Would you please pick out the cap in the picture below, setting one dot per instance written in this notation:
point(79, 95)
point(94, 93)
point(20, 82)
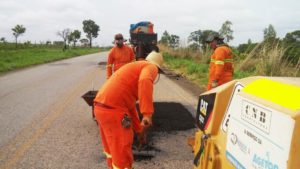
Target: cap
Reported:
point(119, 36)
point(213, 36)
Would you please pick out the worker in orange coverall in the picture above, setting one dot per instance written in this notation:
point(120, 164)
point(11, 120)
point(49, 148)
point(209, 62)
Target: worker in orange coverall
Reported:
point(119, 55)
point(115, 108)
point(221, 62)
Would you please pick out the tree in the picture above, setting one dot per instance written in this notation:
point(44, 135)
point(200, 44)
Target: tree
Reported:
point(249, 42)
point(84, 42)
point(291, 42)
point(64, 34)
point(165, 38)
point(194, 46)
point(169, 40)
point(292, 37)
point(3, 40)
point(174, 41)
point(226, 31)
point(74, 36)
point(196, 38)
point(269, 33)
point(199, 38)
point(91, 29)
point(17, 31)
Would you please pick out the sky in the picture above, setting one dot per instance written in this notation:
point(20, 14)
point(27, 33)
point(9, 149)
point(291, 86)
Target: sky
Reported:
point(44, 18)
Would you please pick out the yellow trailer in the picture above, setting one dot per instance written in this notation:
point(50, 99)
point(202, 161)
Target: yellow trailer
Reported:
point(249, 123)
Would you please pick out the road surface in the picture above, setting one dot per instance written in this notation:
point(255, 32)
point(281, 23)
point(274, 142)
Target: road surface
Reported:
point(44, 122)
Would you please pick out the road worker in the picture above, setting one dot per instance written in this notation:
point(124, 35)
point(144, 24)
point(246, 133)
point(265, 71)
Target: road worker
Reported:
point(115, 108)
point(221, 62)
point(118, 56)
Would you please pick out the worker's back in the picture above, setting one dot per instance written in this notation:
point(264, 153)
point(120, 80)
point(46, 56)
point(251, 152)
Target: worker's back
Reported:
point(221, 65)
point(121, 89)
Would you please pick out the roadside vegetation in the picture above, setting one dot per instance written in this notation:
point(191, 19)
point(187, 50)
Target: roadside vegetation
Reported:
point(25, 55)
point(271, 57)
point(19, 55)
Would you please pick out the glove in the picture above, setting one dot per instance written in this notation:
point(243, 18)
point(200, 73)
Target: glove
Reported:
point(146, 121)
point(214, 83)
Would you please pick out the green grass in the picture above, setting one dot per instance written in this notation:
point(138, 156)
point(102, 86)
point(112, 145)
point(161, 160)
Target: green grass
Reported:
point(194, 70)
point(188, 67)
point(263, 60)
point(242, 74)
point(12, 58)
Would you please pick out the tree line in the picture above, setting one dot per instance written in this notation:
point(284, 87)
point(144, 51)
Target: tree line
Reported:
point(196, 40)
point(68, 36)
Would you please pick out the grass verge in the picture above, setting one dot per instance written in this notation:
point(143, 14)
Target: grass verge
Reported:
point(189, 68)
point(11, 59)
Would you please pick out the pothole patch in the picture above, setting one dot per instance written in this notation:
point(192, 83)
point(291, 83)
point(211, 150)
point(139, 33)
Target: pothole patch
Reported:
point(168, 117)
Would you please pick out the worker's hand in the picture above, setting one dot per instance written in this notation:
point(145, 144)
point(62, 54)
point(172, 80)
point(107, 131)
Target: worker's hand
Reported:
point(146, 121)
point(214, 83)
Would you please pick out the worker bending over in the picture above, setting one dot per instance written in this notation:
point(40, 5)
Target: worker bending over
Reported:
point(115, 108)
point(118, 56)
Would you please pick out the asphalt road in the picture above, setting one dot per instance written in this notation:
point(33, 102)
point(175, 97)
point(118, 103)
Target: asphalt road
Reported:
point(44, 122)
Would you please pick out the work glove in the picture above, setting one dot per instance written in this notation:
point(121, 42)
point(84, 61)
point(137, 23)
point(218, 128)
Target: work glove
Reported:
point(214, 83)
point(146, 121)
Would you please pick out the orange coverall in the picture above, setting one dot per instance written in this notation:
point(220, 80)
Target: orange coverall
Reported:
point(118, 57)
point(221, 66)
point(118, 97)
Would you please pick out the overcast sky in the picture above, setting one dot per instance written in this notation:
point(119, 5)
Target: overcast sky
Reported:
point(44, 18)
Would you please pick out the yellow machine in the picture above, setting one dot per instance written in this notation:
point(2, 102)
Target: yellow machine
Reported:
point(249, 123)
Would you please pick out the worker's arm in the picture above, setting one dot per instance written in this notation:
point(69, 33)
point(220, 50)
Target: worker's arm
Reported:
point(219, 64)
point(110, 61)
point(145, 93)
point(136, 123)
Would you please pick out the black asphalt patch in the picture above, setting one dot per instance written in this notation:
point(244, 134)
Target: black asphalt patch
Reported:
point(171, 116)
point(167, 117)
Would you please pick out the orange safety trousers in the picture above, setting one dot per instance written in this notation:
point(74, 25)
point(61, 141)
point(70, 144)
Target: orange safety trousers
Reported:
point(116, 140)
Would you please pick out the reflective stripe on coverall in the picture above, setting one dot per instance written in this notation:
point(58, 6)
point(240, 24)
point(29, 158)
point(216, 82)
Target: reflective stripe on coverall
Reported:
point(118, 57)
point(221, 66)
point(132, 82)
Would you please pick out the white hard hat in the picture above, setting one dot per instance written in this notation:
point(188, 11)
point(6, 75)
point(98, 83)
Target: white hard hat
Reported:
point(155, 58)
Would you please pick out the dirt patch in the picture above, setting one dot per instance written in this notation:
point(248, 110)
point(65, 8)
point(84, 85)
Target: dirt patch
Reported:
point(102, 63)
point(183, 82)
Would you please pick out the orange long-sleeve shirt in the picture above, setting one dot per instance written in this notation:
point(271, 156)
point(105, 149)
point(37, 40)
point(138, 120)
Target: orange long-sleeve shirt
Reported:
point(221, 66)
point(132, 82)
point(118, 57)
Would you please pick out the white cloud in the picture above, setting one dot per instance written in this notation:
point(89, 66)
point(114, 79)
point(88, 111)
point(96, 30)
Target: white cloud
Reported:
point(43, 18)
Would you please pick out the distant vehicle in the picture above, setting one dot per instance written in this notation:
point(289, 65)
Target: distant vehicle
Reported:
point(143, 39)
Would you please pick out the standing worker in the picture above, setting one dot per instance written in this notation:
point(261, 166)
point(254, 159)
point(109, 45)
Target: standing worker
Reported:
point(221, 62)
point(118, 56)
point(115, 108)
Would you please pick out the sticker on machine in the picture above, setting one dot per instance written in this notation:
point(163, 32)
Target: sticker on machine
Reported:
point(258, 136)
point(237, 88)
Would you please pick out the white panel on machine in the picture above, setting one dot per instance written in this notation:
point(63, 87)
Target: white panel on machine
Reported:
point(258, 137)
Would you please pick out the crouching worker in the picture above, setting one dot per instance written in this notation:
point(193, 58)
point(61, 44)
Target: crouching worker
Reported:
point(115, 108)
